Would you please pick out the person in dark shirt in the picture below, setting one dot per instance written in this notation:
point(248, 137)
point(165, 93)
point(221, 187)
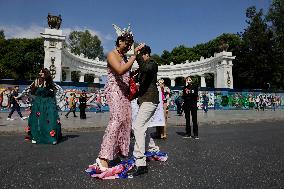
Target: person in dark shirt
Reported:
point(148, 100)
point(190, 97)
point(15, 104)
point(83, 104)
point(205, 101)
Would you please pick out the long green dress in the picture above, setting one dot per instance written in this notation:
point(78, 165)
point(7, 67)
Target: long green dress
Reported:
point(44, 121)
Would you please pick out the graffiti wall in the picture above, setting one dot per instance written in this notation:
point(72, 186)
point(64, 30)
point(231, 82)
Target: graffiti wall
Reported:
point(96, 99)
point(219, 99)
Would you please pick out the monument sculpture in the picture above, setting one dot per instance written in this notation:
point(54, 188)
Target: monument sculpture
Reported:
point(54, 22)
point(223, 46)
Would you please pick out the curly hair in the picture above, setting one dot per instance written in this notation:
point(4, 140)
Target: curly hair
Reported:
point(145, 50)
point(127, 37)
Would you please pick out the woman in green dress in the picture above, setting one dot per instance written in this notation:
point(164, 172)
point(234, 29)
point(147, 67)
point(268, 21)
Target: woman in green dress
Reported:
point(44, 122)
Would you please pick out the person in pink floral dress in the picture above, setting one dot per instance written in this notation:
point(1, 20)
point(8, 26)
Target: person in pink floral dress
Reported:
point(116, 139)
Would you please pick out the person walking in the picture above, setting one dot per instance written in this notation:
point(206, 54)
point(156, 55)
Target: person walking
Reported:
point(14, 101)
point(72, 105)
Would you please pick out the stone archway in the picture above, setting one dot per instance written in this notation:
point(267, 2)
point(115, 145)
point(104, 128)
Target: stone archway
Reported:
point(58, 58)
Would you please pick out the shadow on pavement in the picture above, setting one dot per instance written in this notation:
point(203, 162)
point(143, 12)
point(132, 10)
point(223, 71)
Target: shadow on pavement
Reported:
point(67, 137)
point(181, 133)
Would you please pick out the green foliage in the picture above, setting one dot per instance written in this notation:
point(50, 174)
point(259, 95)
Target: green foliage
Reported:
point(275, 18)
point(157, 59)
point(21, 59)
point(89, 78)
point(85, 43)
point(2, 35)
point(75, 76)
point(254, 66)
point(258, 49)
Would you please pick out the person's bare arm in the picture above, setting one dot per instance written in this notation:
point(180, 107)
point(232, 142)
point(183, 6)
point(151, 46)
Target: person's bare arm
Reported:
point(117, 66)
point(122, 68)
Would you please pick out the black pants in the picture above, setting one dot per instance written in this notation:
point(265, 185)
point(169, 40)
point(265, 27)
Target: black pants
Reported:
point(17, 108)
point(193, 111)
point(71, 110)
point(83, 113)
point(179, 109)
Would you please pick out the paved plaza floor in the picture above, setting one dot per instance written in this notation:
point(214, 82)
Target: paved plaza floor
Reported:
point(247, 153)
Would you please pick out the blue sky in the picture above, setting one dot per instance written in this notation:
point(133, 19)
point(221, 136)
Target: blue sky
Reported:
point(163, 24)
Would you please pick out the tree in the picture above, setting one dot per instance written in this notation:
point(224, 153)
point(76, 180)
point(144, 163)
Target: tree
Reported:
point(89, 78)
point(75, 76)
point(157, 59)
point(255, 61)
point(85, 43)
point(167, 57)
point(275, 16)
point(21, 59)
point(2, 35)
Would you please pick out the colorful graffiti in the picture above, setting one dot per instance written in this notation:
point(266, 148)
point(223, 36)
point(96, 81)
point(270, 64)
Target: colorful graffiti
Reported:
point(219, 99)
point(230, 99)
point(96, 99)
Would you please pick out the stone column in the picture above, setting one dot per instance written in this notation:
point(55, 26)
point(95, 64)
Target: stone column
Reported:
point(68, 75)
point(215, 80)
point(221, 77)
point(203, 83)
point(96, 79)
point(173, 82)
point(81, 79)
point(53, 40)
point(224, 75)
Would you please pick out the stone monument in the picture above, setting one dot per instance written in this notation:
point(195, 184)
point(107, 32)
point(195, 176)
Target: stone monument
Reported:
point(53, 39)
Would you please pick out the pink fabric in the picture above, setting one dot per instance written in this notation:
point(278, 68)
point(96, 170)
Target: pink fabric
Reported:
point(122, 169)
point(163, 93)
point(110, 173)
point(117, 135)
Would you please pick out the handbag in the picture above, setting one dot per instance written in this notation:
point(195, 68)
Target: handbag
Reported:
point(133, 88)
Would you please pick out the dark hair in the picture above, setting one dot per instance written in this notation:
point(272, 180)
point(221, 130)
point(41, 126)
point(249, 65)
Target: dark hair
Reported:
point(47, 77)
point(17, 86)
point(145, 50)
point(125, 37)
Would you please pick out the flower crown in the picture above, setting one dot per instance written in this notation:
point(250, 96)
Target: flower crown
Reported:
point(125, 32)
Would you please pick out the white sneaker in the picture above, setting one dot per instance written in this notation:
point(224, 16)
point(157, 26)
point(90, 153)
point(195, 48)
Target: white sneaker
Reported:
point(10, 119)
point(23, 118)
point(33, 142)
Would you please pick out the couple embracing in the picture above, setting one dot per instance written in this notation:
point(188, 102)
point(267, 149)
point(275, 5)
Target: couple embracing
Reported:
point(116, 140)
